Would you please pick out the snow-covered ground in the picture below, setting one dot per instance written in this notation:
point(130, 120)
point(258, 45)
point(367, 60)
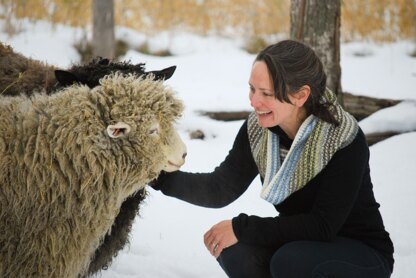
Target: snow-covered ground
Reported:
point(212, 74)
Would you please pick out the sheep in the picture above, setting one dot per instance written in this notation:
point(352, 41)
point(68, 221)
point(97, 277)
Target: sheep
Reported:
point(69, 160)
point(90, 74)
point(21, 75)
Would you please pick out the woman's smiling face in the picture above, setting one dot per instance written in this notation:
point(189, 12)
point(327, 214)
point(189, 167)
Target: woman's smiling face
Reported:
point(269, 110)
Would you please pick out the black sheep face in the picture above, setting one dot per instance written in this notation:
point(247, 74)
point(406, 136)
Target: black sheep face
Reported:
point(90, 74)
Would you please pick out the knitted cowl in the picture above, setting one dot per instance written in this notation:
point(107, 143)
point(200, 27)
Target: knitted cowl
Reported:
point(313, 147)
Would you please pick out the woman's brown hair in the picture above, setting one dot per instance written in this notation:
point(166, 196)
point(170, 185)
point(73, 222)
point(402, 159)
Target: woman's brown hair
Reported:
point(291, 65)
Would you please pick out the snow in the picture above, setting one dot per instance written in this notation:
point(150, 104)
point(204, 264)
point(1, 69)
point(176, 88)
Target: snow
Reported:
point(387, 71)
point(399, 118)
point(212, 74)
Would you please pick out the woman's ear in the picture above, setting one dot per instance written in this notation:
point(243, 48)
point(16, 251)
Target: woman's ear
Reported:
point(301, 96)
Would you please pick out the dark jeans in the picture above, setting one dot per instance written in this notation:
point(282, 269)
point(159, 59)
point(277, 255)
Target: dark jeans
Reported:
point(342, 257)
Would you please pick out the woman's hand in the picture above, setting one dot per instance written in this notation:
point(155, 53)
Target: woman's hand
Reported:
point(219, 237)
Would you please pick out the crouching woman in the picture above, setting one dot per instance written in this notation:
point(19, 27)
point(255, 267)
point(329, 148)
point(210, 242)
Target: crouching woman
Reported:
point(313, 161)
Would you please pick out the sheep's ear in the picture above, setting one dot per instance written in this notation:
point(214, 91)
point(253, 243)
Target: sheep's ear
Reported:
point(164, 74)
point(103, 61)
point(66, 78)
point(119, 130)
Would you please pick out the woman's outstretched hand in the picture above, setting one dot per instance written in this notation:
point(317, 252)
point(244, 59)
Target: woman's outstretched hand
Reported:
point(219, 237)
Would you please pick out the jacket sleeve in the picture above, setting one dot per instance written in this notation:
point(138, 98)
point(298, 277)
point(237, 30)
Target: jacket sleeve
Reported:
point(219, 188)
point(340, 183)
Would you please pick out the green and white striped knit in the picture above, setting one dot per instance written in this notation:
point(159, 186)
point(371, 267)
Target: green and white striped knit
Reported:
point(313, 147)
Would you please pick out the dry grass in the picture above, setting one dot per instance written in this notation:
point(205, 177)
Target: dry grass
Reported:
point(379, 20)
point(386, 20)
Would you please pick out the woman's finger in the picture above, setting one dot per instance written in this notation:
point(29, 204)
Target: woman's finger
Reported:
point(208, 239)
point(219, 237)
point(217, 249)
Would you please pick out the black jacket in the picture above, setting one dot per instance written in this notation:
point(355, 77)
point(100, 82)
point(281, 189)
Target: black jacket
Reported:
point(339, 201)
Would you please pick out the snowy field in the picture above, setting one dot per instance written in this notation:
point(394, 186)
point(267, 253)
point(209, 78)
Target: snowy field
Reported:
point(212, 74)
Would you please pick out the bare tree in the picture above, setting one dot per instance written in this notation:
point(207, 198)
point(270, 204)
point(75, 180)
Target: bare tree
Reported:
point(317, 23)
point(103, 42)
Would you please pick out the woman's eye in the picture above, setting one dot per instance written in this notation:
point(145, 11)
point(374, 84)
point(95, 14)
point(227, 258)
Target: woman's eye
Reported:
point(267, 94)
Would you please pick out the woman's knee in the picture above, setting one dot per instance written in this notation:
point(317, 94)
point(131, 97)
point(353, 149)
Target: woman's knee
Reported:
point(341, 258)
point(286, 261)
point(242, 260)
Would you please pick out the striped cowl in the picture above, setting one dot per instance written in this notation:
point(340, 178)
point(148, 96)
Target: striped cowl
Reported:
point(313, 147)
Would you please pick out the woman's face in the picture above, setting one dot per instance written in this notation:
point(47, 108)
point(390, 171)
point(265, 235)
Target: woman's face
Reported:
point(269, 110)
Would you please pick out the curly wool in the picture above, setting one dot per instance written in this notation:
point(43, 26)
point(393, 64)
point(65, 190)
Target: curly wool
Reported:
point(119, 236)
point(64, 179)
point(21, 75)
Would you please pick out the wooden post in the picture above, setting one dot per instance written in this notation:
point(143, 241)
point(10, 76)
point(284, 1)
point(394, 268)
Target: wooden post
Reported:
point(103, 42)
point(317, 23)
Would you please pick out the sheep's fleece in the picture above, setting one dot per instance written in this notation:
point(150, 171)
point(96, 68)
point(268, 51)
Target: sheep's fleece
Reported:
point(63, 178)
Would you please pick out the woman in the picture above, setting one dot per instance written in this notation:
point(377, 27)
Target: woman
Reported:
point(313, 161)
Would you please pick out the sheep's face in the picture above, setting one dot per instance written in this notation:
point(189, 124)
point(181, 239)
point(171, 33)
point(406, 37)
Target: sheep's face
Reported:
point(175, 152)
point(142, 119)
point(173, 148)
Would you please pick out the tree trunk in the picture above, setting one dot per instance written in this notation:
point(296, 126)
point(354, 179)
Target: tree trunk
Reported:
point(103, 42)
point(317, 23)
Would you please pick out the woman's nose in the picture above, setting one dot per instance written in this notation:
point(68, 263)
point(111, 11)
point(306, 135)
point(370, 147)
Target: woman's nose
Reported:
point(254, 101)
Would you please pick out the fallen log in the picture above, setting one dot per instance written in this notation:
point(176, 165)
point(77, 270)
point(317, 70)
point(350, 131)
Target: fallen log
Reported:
point(226, 116)
point(362, 106)
point(373, 138)
point(359, 106)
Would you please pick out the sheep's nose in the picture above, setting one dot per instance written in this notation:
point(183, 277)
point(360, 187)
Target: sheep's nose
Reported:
point(184, 155)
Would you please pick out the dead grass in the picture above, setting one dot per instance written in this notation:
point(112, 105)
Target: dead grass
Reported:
point(372, 19)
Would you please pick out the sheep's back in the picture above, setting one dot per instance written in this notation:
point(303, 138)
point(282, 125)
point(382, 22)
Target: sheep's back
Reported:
point(21, 75)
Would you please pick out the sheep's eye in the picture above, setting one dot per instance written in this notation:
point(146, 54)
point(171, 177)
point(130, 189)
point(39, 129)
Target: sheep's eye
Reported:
point(154, 130)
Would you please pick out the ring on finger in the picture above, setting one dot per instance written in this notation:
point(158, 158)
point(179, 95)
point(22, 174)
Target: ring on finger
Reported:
point(215, 247)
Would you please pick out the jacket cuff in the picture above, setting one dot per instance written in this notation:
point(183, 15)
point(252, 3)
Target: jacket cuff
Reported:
point(157, 183)
point(239, 222)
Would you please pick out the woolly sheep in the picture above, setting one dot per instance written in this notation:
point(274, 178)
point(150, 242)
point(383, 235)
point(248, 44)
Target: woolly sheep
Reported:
point(90, 74)
point(19, 74)
point(22, 75)
point(68, 161)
